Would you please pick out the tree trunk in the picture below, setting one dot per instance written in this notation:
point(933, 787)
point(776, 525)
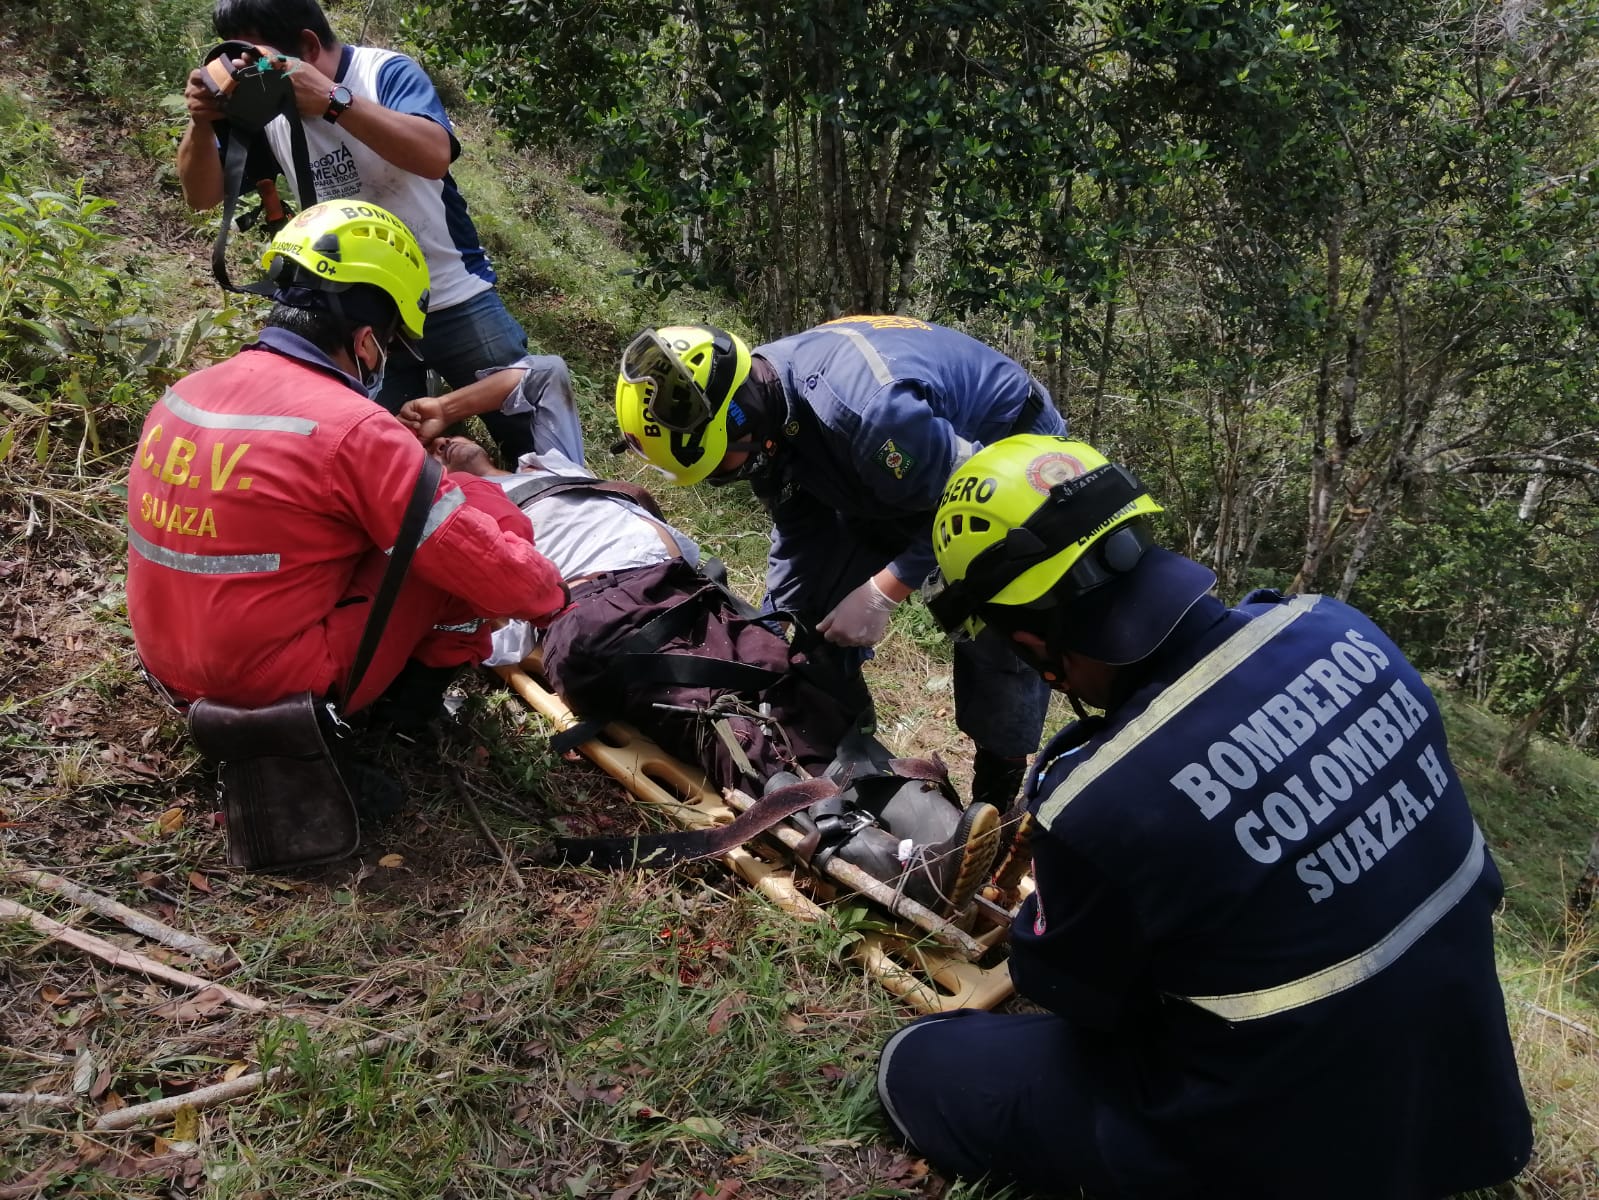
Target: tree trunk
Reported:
point(1328, 461)
point(1582, 896)
point(1562, 678)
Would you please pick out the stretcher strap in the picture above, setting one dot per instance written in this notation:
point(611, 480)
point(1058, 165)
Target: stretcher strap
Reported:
point(656, 850)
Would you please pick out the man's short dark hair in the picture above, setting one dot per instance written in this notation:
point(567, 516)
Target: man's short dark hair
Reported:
point(330, 331)
point(276, 22)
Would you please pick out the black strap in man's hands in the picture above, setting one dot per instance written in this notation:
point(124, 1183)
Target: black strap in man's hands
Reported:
point(405, 544)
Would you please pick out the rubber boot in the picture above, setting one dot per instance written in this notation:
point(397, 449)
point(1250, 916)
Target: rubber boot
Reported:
point(414, 700)
point(997, 780)
point(942, 875)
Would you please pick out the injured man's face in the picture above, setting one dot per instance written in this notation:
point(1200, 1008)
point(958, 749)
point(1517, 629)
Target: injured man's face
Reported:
point(464, 455)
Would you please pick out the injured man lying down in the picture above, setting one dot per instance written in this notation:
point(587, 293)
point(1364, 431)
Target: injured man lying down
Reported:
point(653, 637)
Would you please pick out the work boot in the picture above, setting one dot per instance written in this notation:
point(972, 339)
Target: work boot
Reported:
point(945, 876)
point(415, 699)
point(997, 780)
point(376, 794)
point(941, 873)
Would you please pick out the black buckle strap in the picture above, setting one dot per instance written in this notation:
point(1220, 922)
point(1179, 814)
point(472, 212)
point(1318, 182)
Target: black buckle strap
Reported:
point(405, 544)
point(240, 139)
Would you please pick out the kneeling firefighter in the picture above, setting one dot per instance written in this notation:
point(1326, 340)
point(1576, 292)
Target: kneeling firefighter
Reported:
point(264, 501)
point(1262, 927)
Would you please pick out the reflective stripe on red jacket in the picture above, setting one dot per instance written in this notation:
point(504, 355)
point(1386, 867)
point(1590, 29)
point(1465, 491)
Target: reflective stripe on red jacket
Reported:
point(257, 487)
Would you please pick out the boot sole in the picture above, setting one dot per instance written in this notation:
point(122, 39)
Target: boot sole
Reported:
point(978, 835)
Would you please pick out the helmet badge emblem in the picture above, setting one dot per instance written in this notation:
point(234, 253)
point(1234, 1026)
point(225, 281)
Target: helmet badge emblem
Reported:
point(1045, 471)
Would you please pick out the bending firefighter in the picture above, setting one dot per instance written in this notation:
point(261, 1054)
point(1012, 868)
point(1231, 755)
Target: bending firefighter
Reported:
point(847, 432)
point(267, 490)
point(1262, 927)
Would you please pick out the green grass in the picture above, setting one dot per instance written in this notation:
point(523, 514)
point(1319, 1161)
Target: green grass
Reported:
point(1538, 827)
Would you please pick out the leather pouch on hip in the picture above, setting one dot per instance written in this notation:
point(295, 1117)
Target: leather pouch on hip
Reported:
point(285, 803)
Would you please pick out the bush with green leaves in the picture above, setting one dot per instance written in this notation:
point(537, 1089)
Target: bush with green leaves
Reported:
point(80, 347)
point(121, 51)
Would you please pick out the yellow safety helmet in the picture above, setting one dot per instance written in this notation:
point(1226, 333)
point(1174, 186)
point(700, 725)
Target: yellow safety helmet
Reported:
point(332, 246)
point(1024, 517)
point(674, 394)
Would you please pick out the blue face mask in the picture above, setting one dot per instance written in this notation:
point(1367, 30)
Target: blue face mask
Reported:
point(373, 383)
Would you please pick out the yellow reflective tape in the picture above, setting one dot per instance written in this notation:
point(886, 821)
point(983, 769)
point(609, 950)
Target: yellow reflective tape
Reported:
point(1179, 695)
point(1267, 1002)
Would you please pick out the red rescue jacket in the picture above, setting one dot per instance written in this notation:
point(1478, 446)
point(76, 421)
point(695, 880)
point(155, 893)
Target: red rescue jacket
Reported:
point(259, 484)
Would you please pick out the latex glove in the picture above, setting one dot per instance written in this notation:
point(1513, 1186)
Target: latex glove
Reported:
point(861, 618)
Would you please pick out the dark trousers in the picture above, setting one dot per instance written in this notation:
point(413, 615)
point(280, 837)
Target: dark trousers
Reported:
point(982, 1094)
point(1000, 702)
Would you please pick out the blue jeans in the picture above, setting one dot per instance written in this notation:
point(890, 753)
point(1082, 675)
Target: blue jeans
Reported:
point(460, 343)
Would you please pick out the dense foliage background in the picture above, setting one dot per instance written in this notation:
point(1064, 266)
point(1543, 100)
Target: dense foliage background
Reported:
point(1324, 273)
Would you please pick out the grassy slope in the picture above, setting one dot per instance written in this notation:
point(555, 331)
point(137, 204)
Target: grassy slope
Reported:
point(558, 1039)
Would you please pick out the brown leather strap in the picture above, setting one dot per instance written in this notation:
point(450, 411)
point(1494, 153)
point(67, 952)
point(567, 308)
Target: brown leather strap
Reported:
point(663, 849)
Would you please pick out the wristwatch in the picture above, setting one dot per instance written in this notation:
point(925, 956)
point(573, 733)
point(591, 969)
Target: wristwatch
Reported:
point(339, 99)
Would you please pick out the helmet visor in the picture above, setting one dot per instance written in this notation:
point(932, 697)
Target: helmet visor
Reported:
point(673, 399)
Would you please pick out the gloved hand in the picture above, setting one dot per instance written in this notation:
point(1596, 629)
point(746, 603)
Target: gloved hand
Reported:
point(861, 618)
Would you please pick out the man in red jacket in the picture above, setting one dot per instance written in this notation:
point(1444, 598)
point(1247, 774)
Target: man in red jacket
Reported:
point(267, 490)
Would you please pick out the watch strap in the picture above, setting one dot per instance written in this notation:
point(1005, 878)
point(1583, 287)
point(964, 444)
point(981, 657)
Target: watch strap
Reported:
point(336, 107)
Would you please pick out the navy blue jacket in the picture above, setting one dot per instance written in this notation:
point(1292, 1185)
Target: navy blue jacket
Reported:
point(1262, 895)
point(881, 410)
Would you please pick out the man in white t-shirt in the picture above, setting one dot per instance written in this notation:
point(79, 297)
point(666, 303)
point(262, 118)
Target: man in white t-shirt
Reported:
point(376, 131)
point(584, 531)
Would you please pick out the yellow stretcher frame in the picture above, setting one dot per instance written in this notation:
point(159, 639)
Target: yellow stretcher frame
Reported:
point(905, 961)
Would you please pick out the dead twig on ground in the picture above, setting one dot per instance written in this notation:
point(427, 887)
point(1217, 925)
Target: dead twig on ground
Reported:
point(483, 826)
point(36, 1099)
point(218, 1093)
point(142, 923)
point(1556, 1017)
point(128, 960)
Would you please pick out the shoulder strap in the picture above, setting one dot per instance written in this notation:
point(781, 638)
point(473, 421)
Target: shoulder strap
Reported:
point(656, 850)
point(405, 544)
point(544, 483)
point(233, 162)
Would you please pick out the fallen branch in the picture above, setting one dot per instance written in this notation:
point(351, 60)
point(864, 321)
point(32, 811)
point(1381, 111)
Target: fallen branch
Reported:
point(218, 1093)
point(1554, 1016)
point(874, 889)
point(36, 1099)
point(128, 960)
point(483, 826)
point(189, 943)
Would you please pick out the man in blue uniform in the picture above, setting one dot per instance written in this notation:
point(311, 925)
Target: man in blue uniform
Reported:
point(1262, 924)
point(847, 433)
